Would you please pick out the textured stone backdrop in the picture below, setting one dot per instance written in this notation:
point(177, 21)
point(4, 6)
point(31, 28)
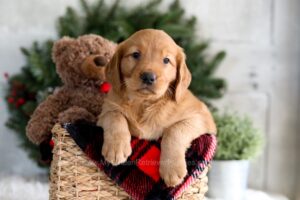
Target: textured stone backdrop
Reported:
point(262, 69)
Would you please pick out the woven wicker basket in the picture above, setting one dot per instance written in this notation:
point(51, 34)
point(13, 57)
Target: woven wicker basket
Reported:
point(74, 176)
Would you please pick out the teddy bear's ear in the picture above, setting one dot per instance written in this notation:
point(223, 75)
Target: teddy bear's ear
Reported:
point(60, 46)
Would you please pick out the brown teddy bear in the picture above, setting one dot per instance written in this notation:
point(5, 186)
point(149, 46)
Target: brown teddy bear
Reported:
point(80, 63)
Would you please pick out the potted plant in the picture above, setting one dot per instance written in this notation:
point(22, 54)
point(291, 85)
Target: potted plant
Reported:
point(238, 142)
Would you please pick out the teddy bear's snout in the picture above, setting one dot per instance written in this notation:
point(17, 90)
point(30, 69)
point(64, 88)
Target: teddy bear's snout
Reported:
point(100, 61)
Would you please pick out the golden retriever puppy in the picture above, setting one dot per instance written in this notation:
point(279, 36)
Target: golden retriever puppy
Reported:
point(150, 99)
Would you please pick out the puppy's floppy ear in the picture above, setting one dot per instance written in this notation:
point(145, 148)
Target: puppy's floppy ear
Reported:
point(183, 77)
point(113, 71)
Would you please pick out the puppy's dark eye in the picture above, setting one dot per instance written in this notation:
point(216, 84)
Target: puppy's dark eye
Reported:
point(136, 55)
point(166, 60)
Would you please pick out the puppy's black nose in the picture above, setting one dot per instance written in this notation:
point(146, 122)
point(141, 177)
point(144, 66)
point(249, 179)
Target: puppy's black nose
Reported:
point(148, 78)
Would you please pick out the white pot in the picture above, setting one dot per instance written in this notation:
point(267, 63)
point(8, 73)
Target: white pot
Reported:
point(227, 180)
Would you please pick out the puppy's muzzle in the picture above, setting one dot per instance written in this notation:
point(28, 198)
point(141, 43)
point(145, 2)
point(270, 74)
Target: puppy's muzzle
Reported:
point(148, 78)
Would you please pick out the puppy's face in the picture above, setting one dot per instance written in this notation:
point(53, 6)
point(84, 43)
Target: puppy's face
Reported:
point(149, 65)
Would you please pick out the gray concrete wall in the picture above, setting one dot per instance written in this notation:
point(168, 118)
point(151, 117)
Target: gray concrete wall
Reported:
point(262, 69)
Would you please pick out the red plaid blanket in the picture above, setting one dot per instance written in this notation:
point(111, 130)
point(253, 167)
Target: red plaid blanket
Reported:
point(139, 176)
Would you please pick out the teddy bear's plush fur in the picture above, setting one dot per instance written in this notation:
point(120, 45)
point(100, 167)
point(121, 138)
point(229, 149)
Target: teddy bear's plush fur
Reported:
point(80, 63)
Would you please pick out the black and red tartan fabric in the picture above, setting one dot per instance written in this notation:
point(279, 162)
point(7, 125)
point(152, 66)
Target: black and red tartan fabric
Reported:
point(139, 176)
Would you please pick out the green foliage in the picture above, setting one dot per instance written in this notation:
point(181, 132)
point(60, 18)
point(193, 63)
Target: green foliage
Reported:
point(38, 78)
point(237, 138)
point(117, 23)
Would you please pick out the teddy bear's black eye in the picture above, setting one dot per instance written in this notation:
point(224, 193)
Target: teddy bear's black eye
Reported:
point(166, 60)
point(136, 55)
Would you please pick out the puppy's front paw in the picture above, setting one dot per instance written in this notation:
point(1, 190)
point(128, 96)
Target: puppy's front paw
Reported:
point(116, 152)
point(172, 171)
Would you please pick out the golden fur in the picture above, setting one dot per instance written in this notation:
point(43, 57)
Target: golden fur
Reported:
point(165, 109)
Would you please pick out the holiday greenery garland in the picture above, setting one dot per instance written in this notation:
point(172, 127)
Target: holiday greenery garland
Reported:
point(38, 78)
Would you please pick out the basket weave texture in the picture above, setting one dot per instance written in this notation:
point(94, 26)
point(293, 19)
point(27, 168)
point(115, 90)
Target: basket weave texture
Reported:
point(74, 177)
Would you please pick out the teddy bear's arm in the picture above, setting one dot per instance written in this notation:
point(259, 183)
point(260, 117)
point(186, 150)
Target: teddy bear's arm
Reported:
point(44, 117)
point(75, 113)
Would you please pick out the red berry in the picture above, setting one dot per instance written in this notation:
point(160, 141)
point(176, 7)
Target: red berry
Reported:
point(10, 100)
point(6, 75)
point(51, 143)
point(105, 87)
point(20, 101)
point(13, 93)
point(31, 96)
